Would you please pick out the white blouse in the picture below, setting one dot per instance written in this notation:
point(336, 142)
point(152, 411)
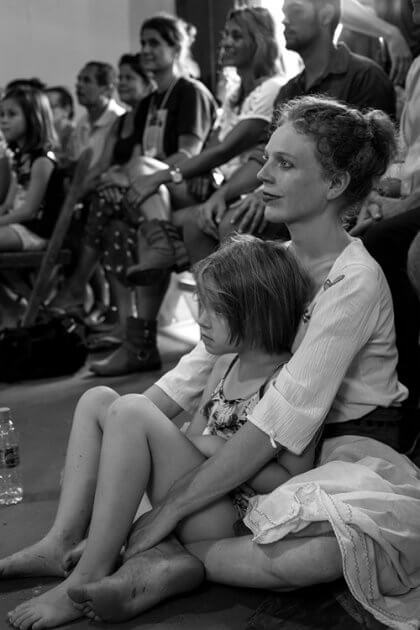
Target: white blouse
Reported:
point(344, 361)
point(257, 105)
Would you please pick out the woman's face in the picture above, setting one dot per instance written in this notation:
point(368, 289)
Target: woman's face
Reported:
point(131, 87)
point(294, 188)
point(156, 53)
point(237, 48)
point(12, 120)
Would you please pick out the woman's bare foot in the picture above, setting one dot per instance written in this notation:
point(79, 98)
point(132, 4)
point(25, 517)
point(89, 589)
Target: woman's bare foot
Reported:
point(43, 558)
point(49, 610)
point(140, 583)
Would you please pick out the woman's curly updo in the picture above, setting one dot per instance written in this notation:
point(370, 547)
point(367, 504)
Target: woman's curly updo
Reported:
point(346, 140)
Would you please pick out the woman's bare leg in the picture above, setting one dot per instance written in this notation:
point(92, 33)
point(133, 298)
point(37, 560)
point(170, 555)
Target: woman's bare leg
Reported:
point(74, 509)
point(285, 565)
point(139, 444)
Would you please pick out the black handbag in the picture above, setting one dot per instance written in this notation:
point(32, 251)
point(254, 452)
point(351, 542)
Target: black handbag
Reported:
point(54, 346)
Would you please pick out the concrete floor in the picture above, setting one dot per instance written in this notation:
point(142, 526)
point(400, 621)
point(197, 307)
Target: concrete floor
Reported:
point(43, 412)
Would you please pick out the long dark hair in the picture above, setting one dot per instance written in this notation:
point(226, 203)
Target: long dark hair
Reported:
point(36, 109)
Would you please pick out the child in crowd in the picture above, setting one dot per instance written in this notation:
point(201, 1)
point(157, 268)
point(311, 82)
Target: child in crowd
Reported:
point(252, 296)
point(241, 290)
point(29, 212)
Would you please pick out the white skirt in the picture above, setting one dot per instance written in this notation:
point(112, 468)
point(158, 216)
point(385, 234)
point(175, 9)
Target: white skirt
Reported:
point(369, 496)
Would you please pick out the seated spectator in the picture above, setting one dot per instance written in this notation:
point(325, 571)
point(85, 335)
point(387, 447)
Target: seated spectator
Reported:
point(94, 90)
point(62, 105)
point(28, 215)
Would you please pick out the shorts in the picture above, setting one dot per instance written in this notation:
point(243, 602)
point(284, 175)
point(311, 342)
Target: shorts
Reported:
point(30, 242)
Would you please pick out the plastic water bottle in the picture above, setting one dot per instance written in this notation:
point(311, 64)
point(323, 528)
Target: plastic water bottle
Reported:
point(10, 477)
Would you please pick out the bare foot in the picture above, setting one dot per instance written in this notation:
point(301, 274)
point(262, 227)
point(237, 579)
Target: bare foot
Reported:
point(140, 583)
point(49, 610)
point(43, 558)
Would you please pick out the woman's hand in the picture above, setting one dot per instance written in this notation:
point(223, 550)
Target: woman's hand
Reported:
point(249, 214)
point(144, 186)
point(211, 213)
point(150, 529)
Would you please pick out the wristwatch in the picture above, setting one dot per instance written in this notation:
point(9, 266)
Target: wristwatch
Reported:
point(176, 175)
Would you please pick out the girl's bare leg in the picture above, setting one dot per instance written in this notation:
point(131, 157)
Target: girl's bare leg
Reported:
point(74, 509)
point(285, 565)
point(139, 444)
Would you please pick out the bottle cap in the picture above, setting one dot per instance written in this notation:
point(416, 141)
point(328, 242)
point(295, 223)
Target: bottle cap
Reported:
point(4, 413)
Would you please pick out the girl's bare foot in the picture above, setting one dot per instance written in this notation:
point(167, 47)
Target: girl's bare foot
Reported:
point(43, 558)
point(140, 583)
point(49, 610)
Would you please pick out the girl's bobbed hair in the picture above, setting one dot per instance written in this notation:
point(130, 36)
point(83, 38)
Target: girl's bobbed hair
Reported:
point(346, 140)
point(40, 133)
point(258, 287)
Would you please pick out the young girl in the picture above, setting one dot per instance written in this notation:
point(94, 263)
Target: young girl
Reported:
point(252, 296)
point(28, 215)
point(239, 304)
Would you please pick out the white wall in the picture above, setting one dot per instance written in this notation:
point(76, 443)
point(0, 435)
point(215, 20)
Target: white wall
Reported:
point(52, 39)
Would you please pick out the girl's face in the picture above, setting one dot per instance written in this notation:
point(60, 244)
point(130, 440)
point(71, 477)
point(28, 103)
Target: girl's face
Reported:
point(12, 120)
point(215, 332)
point(236, 46)
point(294, 188)
point(156, 53)
point(131, 87)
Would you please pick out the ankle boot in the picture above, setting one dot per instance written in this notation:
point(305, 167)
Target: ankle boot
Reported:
point(138, 352)
point(160, 250)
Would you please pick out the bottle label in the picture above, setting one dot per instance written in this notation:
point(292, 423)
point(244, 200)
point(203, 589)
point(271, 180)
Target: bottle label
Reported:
point(11, 456)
